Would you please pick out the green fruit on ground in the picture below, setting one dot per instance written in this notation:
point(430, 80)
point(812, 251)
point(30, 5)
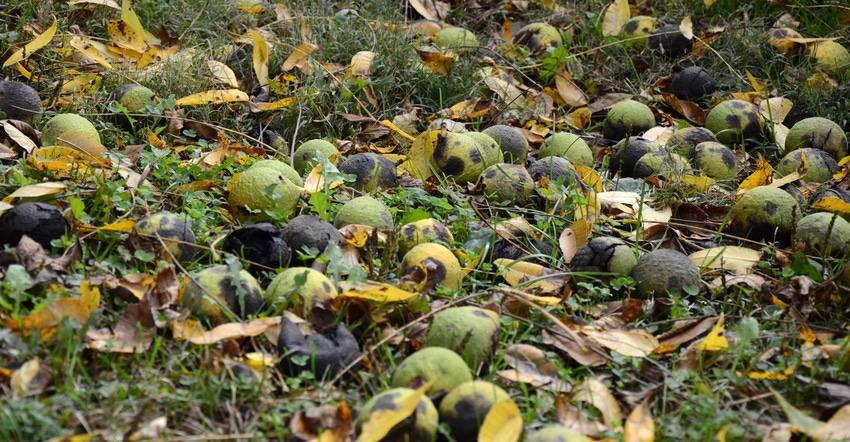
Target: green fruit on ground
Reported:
point(553, 169)
point(298, 289)
point(421, 425)
point(818, 133)
point(364, 210)
point(627, 118)
point(285, 169)
point(569, 146)
point(215, 292)
point(133, 97)
point(171, 229)
point(304, 157)
point(557, 433)
point(257, 192)
point(62, 123)
point(733, 121)
point(465, 408)
point(507, 183)
point(824, 233)
point(820, 166)
point(662, 271)
point(661, 163)
point(538, 37)
point(765, 213)
point(459, 157)
point(638, 29)
point(832, 58)
point(372, 171)
point(490, 149)
point(448, 272)
point(471, 332)
point(439, 363)
point(19, 101)
point(684, 141)
point(716, 161)
point(423, 231)
point(604, 254)
point(451, 38)
point(513, 144)
point(625, 154)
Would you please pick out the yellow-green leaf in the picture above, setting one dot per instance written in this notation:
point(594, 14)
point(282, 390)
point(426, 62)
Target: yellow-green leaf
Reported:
point(715, 341)
point(223, 74)
point(616, 15)
point(36, 190)
point(503, 423)
point(89, 150)
point(381, 422)
point(377, 292)
point(214, 97)
point(128, 15)
point(261, 58)
point(727, 257)
point(36, 44)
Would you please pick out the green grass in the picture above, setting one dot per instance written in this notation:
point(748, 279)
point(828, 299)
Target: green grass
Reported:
point(204, 391)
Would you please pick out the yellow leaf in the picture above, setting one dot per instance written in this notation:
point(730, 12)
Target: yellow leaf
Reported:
point(832, 204)
point(437, 62)
point(771, 375)
point(36, 190)
point(46, 319)
point(89, 295)
point(361, 64)
point(396, 129)
point(567, 89)
point(637, 343)
point(259, 361)
point(129, 16)
point(214, 97)
point(775, 109)
point(124, 36)
point(382, 293)
point(77, 437)
point(23, 376)
point(124, 225)
point(88, 149)
point(510, 94)
point(223, 74)
point(837, 428)
point(727, 257)
point(274, 105)
point(709, 2)
point(261, 58)
point(418, 163)
point(595, 393)
point(194, 333)
point(108, 3)
point(700, 182)
point(616, 15)
point(503, 423)
point(36, 44)
point(686, 27)
point(762, 176)
point(589, 176)
point(298, 58)
point(528, 274)
point(90, 51)
point(381, 422)
point(755, 84)
point(639, 425)
point(715, 341)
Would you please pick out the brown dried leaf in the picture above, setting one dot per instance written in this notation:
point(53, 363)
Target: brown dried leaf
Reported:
point(437, 62)
point(584, 351)
point(688, 331)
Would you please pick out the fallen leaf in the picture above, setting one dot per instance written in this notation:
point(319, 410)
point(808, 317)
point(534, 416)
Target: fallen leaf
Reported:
point(726, 257)
point(594, 392)
point(214, 97)
point(36, 190)
point(616, 15)
point(715, 341)
point(639, 425)
point(381, 422)
point(34, 45)
point(223, 74)
point(503, 423)
point(261, 58)
point(437, 62)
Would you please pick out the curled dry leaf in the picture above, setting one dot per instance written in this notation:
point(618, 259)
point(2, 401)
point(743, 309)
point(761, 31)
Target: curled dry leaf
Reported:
point(726, 257)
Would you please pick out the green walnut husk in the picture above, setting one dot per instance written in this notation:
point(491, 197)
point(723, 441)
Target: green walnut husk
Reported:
point(820, 166)
point(299, 289)
point(663, 271)
point(459, 157)
point(818, 133)
point(569, 146)
point(513, 144)
point(364, 210)
point(538, 37)
point(765, 213)
point(604, 254)
point(832, 58)
point(455, 38)
point(716, 161)
point(491, 151)
point(684, 141)
point(661, 163)
point(557, 433)
point(62, 123)
point(429, 363)
point(448, 270)
point(823, 233)
point(471, 332)
point(554, 168)
point(420, 426)
point(284, 169)
point(258, 192)
point(303, 160)
point(507, 184)
point(734, 121)
point(422, 231)
point(210, 290)
point(174, 232)
point(624, 155)
point(465, 408)
point(638, 29)
point(627, 118)
point(372, 171)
